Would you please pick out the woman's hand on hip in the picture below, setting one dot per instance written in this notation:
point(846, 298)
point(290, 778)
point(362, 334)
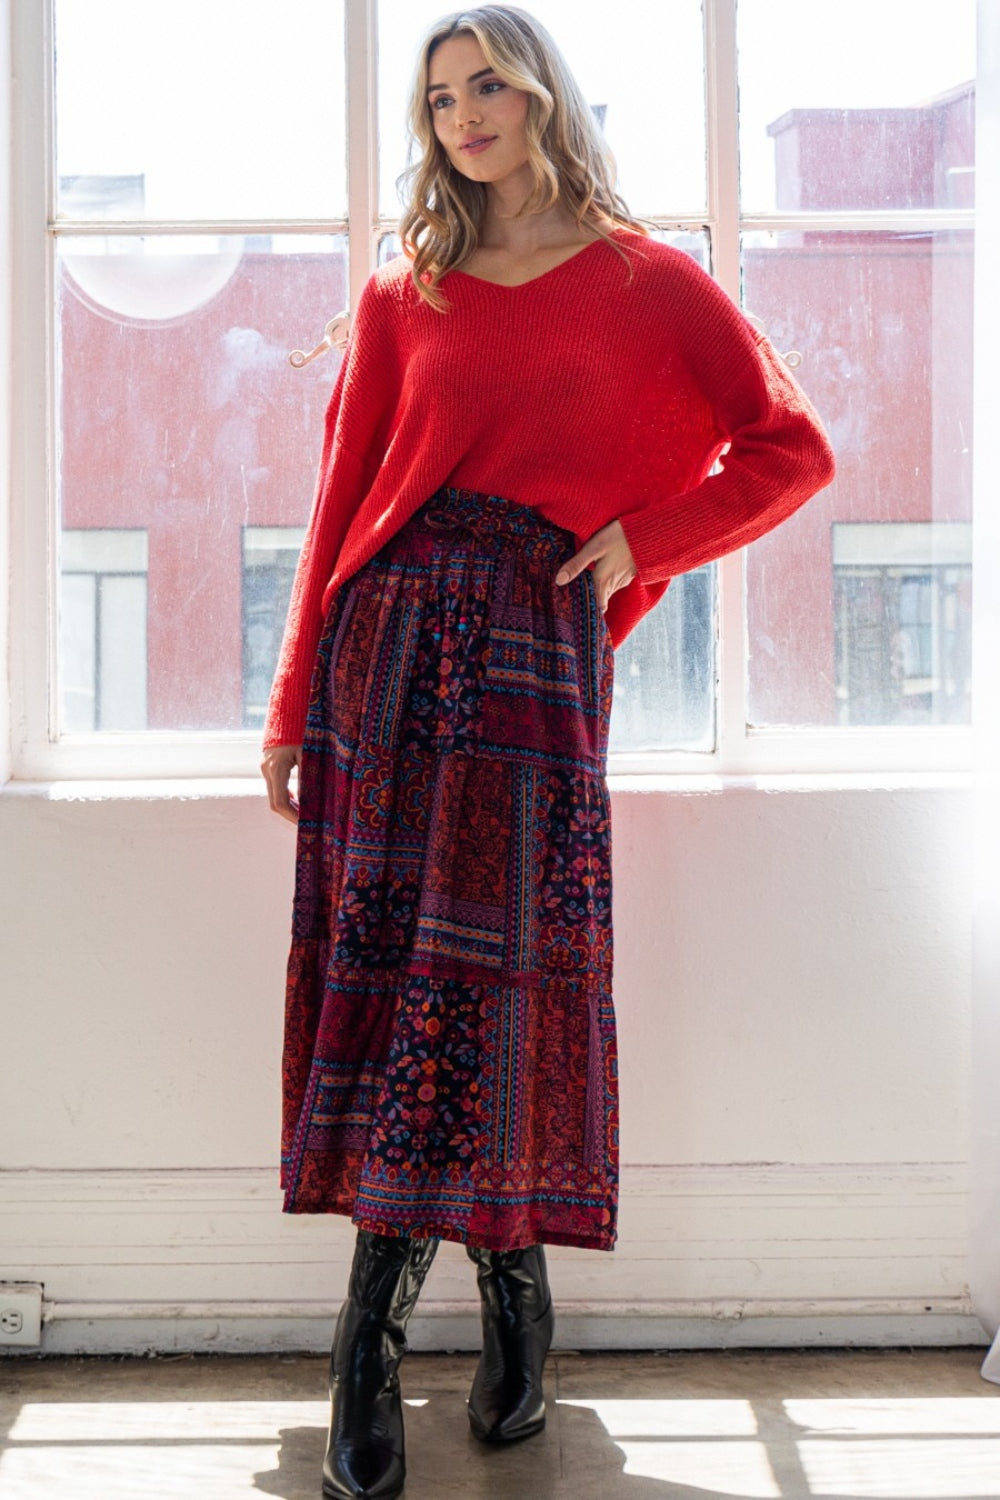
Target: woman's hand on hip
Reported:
point(277, 766)
point(611, 556)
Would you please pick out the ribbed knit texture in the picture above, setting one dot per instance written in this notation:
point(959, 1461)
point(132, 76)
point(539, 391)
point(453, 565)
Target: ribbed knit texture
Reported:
point(604, 389)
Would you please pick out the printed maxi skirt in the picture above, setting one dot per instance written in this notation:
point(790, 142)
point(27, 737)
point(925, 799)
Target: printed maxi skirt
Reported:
point(450, 1054)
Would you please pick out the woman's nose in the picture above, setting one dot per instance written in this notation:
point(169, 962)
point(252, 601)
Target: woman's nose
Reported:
point(468, 114)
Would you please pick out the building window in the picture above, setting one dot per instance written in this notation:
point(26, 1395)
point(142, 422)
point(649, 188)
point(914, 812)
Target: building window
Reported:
point(102, 627)
point(903, 621)
point(270, 554)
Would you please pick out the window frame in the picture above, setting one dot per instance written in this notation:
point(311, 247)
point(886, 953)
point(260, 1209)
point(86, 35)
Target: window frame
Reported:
point(740, 748)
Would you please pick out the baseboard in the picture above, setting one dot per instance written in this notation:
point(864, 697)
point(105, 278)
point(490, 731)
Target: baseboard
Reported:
point(144, 1330)
point(709, 1256)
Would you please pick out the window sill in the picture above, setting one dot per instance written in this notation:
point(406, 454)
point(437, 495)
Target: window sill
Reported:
point(159, 764)
point(220, 788)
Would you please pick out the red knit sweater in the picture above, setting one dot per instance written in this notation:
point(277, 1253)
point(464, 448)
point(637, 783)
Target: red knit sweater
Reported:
point(604, 388)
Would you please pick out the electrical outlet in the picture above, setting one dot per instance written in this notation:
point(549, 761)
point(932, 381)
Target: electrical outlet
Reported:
point(20, 1314)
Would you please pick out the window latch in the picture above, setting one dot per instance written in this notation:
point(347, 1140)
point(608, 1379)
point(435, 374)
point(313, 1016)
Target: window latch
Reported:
point(792, 359)
point(334, 337)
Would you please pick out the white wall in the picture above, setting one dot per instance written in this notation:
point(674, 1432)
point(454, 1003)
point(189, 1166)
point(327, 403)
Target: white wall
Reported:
point(792, 988)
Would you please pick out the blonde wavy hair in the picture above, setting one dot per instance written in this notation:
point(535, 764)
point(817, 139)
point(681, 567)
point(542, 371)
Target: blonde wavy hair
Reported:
point(567, 154)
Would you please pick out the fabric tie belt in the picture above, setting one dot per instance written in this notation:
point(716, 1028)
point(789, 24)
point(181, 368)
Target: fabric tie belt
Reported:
point(500, 523)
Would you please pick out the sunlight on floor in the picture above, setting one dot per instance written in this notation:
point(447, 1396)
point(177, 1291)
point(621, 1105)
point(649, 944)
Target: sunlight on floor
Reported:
point(756, 1444)
point(903, 1469)
point(161, 1421)
point(739, 1469)
point(720, 1466)
point(126, 1472)
point(907, 1453)
point(119, 1450)
point(649, 1419)
point(897, 1414)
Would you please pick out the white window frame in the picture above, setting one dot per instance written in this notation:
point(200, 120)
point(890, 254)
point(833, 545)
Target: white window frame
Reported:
point(35, 755)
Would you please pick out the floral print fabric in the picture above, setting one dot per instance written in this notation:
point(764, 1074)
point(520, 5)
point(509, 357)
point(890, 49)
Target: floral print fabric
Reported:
point(450, 1055)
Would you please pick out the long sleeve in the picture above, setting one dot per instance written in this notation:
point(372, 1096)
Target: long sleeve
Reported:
point(357, 417)
point(778, 454)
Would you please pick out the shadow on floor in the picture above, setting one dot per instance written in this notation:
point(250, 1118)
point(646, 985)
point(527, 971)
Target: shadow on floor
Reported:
point(859, 1425)
point(445, 1462)
point(746, 1425)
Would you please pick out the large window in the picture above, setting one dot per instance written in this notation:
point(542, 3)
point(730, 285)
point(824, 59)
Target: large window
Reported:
point(247, 198)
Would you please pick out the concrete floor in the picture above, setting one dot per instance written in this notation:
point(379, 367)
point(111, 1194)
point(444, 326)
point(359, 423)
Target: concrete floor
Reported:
point(898, 1424)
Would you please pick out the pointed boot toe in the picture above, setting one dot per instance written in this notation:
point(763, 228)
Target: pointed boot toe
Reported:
point(361, 1471)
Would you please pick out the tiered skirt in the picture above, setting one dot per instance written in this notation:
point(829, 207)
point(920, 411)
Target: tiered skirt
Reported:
point(450, 1055)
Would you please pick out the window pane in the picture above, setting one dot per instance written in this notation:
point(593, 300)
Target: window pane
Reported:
point(664, 695)
point(859, 605)
point(856, 104)
point(191, 109)
point(650, 97)
point(270, 554)
point(181, 416)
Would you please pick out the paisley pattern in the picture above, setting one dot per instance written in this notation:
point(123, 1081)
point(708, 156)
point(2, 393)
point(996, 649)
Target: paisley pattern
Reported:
point(450, 1054)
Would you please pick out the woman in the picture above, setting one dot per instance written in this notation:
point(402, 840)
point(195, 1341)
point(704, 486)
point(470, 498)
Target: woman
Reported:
point(517, 459)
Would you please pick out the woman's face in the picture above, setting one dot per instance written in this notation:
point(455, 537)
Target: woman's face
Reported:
point(479, 120)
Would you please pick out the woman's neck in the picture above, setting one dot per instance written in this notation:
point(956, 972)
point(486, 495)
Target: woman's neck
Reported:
point(506, 231)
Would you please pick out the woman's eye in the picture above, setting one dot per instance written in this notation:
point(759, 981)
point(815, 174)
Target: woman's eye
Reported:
point(492, 86)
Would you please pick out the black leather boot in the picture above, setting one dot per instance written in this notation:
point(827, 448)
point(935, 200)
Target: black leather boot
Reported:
point(365, 1455)
point(506, 1401)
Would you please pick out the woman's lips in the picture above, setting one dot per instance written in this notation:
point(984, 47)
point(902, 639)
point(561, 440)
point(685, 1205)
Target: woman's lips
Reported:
point(473, 148)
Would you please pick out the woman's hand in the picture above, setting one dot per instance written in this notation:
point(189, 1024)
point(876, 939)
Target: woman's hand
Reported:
point(277, 767)
point(614, 565)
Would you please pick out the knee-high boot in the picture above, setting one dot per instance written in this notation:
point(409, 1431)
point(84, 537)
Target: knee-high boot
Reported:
point(365, 1455)
point(506, 1401)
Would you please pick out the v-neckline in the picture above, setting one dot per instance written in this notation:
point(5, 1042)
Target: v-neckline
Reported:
point(514, 286)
